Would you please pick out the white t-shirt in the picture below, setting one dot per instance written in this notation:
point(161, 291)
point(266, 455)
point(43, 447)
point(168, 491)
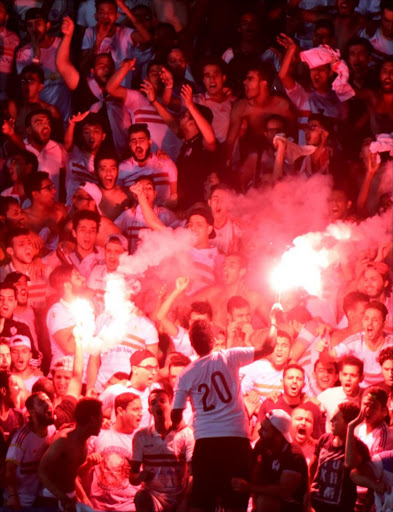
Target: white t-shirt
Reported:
point(120, 45)
point(51, 159)
point(141, 111)
point(262, 377)
point(204, 272)
point(212, 383)
point(355, 345)
point(331, 398)
point(141, 335)
point(167, 457)
point(55, 91)
point(227, 239)
point(162, 170)
point(382, 47)
point(86, 264)
point(110, 488)
point(221, 114)
point(26, 450)
point(312, 102)
point(378, 440)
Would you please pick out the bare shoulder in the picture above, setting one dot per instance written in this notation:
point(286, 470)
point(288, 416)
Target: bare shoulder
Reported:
point(240, 107)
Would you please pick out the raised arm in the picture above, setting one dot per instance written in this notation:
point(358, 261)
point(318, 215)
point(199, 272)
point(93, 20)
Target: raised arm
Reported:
point(69, 132)
point(114, 87)
point(168, 118)
point(162, 314)
point(291, 48)
point(270, 341)
point(140, 27)
point(151, 219)
point(372, 168)
point(203, 124)
point(64, 65)
point(75, 384)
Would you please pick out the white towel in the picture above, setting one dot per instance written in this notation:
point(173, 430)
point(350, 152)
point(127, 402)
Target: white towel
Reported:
point(323, 55)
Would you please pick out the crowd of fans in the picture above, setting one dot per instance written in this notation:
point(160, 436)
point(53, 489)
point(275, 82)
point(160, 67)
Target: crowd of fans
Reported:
point(128, 124)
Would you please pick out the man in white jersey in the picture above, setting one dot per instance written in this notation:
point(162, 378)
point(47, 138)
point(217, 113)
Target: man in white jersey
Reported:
point(218, 98)
point(382, 39)
point(141, 109)
point(83, 147)
point(143, 162)
point(366, 345)
point(222, 449)
point(41, 50)
point(165, 455)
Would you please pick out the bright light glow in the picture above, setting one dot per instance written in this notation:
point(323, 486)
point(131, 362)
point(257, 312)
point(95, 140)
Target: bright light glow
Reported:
point(83, 312)
point(301, 266)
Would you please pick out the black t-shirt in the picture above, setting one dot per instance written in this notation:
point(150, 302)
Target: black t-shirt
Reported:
point(332, 487)
point(194, 164)
point(269, 468)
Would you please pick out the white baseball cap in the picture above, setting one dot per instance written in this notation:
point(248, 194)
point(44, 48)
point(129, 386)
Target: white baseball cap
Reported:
point(20, 341)
point(94, 192)
point(281, 421)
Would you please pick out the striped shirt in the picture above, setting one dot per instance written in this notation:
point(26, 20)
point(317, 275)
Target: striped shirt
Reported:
point(167, 458)
point(355, 345)
point(205, 268)
point(132, 221)
point(80, 169)
point(25, 451)
point(141, 111)
point(311, 102)
point(162, 170)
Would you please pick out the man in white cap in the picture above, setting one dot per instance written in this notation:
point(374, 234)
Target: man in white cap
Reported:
point(88, 197)
point(280, 469)
point(21, 354)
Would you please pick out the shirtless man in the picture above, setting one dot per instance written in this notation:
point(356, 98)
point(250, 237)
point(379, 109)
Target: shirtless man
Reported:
point(234, 270)
point(44, 211)
point(255, 108)
point(380, 103)
point(67, 455)
point(115, 198)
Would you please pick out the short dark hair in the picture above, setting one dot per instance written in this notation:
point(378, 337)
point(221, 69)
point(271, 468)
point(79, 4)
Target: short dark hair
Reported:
point(324, 23)
point(284, 334)
point(299, 313)
point(202, 307)
point(124, 399)
point(380, 306)
point(28, 157)
point(37, 112)
point(33, 182)
point(139, 127)
point(147, 178)
point(85, 215)
point(213, 60)
point(324, 121)
point(202, 337)
point(385, 355)
point(59, 277)
point(334, 363)
point(6, 202)
point(352, 298)
point(159, 391)
point(237, 302)
point(105, 154)
point(32, 399)
point(44, 385)
point(358, 41)
point(14, 233)
point(36, 13)
point(34, 69)
point(264, 70)
point(100, 56)
point(349, 410)
point(352, 361)
point(87, 408)
point(276, 117)
point(293, 366)
point(379, 394)
point(178, 359)
point(93, 119)
point(99, 2)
